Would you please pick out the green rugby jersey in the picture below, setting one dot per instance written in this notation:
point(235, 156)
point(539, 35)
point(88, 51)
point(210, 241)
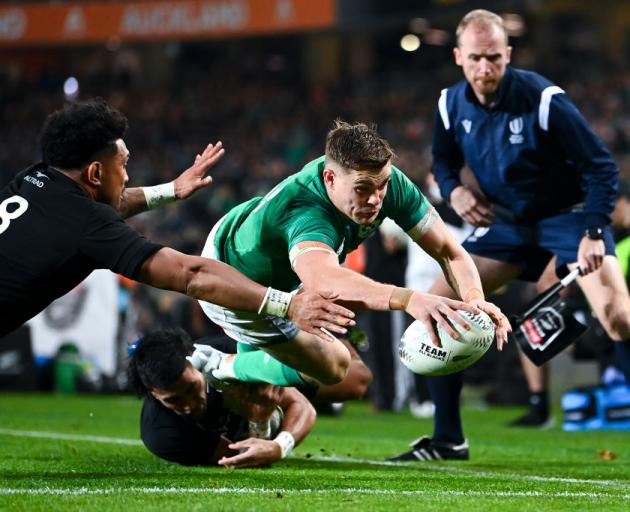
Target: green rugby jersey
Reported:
point(255, 237)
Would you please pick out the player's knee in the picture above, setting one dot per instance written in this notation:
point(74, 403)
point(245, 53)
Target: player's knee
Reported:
point(336, 370)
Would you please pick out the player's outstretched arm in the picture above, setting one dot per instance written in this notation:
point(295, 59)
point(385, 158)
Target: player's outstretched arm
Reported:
point(461, 274)
point(139, 199)
point(318, 268)
point(216, 282)
point(299, 418)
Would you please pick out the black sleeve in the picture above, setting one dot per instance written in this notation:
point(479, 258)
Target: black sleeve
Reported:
point(112, 244)
point(172, 438)
point(221, 342)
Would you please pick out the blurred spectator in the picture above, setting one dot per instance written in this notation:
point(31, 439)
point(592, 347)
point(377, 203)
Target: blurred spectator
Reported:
point(386, 261)
point(271, 118)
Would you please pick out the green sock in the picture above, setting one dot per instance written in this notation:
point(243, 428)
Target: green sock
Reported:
point(258, 366)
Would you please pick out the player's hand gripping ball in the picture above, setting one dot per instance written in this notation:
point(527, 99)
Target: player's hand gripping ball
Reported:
point(421, 356)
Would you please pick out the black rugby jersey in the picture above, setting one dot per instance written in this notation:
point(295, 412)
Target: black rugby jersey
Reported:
point(185, 440)
point(52, 236)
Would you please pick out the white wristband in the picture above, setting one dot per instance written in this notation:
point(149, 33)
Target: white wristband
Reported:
point(159, 195)
point(286, 441)
point(275, 302)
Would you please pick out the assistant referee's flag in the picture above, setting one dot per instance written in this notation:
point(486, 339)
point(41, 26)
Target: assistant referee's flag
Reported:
point(547, 326)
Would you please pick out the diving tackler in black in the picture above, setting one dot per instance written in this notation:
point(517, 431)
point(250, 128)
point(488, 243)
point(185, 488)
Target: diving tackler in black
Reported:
point(547, 326)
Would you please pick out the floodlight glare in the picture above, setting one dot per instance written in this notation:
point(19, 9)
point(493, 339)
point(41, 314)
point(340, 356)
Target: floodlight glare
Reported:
point(410, 42)
point(71, 87)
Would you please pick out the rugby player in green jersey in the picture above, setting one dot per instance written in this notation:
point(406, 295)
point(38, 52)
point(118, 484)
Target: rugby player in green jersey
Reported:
point(299, 235)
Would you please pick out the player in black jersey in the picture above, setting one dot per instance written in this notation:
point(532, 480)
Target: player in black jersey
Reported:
point(185, 420)
point(63, 218)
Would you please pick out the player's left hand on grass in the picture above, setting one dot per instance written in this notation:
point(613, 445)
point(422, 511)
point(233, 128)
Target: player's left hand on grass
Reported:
point(590, 255)
point(501, 322)
point(193, 178)
point(254, 453)
point(317, 313)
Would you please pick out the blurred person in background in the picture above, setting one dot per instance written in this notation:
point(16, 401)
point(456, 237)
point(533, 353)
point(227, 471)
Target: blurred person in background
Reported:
point(63, 217)
point(547, 187)
point(386, 261)
point(539, 413)
point(421, 273)
point(300, 233)
point(184, 419)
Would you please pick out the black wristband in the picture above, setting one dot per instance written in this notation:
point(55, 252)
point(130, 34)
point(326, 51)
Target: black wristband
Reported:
point(594, 233)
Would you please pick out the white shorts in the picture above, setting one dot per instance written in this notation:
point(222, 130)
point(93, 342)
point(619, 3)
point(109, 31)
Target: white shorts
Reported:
point(245, 326)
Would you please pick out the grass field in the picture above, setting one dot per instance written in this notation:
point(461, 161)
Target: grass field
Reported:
point(82, 453)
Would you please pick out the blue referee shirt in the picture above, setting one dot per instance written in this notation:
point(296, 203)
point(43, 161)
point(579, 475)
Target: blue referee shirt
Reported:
point(533, 153)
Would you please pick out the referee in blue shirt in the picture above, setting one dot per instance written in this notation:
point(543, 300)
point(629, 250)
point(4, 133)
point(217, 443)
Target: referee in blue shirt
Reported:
point(546, 190)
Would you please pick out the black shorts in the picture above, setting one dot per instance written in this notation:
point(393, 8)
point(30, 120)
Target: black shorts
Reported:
point(531, 246)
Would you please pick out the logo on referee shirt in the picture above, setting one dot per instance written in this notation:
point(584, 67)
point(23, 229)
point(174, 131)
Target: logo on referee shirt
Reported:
point(477, 234)
point(516, 127)
point(467, 124)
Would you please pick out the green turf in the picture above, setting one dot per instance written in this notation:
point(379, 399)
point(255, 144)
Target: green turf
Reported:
point(337, 468)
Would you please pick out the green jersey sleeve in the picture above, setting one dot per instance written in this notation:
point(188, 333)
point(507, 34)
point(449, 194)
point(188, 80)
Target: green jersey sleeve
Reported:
point(311, 223)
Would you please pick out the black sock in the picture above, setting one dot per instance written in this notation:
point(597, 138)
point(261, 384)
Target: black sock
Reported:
point(622, 349)
point(540, 401)
point(445, 393)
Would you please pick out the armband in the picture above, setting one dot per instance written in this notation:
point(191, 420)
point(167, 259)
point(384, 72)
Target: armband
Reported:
point(159, 195)
point(275, 302)
point(295, 252)
point(400, 298)
point(420, 229)
point(286, 441)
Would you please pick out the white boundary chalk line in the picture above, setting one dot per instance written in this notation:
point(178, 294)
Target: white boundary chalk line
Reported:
point(473, 472)
point(69, 437)
point(83, 491)
point(424, 466)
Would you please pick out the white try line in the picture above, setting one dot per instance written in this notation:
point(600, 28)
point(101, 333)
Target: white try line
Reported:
point(425, 466)
point(282, 491)
point(434, 465)
point(69, 437)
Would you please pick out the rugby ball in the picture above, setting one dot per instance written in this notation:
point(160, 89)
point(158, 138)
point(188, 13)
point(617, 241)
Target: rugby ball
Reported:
point(420, 355)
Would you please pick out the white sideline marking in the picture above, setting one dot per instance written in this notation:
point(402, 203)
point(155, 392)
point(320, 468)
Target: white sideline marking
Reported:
point(69, 437)
point(436, 466)
point(347, 490)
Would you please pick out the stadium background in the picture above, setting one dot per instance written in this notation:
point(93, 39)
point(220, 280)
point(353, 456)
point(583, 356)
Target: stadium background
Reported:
point(267, 78)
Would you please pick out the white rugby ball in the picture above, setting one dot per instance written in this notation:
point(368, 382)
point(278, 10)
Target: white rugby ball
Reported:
point(420, 355)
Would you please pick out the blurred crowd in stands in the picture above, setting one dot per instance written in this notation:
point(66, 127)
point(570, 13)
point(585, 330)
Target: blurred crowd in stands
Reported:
point(271, 114)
